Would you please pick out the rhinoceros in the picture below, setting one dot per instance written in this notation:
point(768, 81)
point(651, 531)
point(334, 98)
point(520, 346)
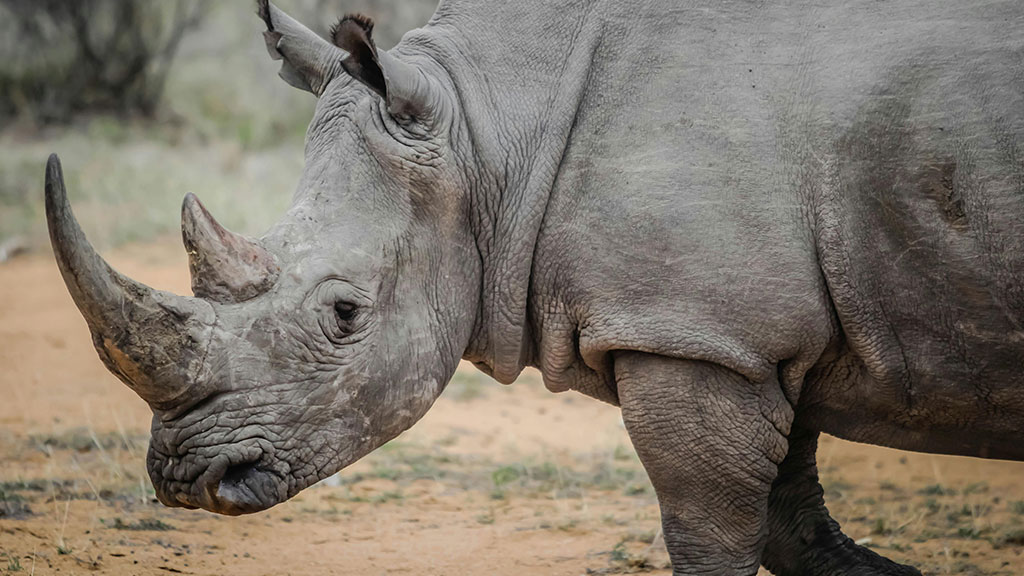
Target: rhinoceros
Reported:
point(746, 223)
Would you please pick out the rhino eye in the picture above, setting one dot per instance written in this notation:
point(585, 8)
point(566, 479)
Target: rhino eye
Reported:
point(341, 310)
point(345, 315)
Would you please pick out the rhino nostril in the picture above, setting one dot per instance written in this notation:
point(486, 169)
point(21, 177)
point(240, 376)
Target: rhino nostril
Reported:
point(246, 488)
point(242, 488)
point(238, 473)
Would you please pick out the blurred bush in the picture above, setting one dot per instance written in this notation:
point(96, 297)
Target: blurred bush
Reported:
point(224, 127)
point(64, 57)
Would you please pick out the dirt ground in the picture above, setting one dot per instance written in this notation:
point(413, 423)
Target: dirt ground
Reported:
point(495, 480)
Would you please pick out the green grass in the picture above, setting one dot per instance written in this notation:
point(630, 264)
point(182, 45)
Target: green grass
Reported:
point(388, 496)
point(626, 559)
point(152, 524)
point(81, 439)
point(975, 488)
point(506, 474)
point(1009, 537)
point(936, 490)
point(889, 487)
point(880, 527)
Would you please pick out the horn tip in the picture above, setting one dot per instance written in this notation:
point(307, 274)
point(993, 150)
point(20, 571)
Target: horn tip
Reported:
point(54, 174)
point(189, 202)
point(55, 192)
point(189, 206)
point(192, 211)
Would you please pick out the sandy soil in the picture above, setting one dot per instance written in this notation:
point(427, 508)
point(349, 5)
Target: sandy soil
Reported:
point(495, 480)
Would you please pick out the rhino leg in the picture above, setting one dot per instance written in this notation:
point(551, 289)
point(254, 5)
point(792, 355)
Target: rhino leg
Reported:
point(711, 442)
point(803, 540)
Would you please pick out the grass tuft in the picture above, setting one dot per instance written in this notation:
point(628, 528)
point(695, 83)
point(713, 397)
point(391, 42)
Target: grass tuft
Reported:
point(144, 524)
point(936, 490)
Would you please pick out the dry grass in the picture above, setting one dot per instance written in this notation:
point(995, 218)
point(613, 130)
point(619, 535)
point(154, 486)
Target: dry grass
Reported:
point(915, 509)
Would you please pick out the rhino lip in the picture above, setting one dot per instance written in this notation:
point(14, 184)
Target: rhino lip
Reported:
point(241, 488)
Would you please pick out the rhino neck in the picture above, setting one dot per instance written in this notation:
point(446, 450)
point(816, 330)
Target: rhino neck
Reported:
point(519, 97)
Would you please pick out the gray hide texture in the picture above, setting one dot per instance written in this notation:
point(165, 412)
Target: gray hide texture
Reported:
point(746, 223)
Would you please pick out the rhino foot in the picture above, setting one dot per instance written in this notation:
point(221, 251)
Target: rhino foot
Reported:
point(803, 540)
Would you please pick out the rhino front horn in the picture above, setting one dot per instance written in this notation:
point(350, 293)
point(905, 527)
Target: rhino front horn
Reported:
point(153, 341)
point(225, 267)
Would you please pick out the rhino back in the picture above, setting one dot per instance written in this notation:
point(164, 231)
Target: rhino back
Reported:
point(796, 186)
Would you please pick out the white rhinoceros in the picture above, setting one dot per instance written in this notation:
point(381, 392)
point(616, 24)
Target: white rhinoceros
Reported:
point(744, 222)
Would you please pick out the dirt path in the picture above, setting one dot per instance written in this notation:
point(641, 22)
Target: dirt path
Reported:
point(495, 480)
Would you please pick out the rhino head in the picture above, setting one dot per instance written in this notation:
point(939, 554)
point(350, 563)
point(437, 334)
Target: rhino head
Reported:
point(304, 350)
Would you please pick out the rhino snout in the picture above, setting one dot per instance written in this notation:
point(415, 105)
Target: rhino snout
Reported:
point(243, 489)
point(240, 482)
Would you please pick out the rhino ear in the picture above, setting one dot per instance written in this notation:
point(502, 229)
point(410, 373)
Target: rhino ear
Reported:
point(405, 88)
point(308, 61)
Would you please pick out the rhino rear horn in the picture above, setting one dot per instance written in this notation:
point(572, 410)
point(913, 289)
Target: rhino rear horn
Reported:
point(153, 341)
point(225, 267)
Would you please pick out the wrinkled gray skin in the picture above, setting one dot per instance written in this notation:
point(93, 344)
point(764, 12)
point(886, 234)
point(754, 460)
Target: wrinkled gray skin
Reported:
point(745, 223)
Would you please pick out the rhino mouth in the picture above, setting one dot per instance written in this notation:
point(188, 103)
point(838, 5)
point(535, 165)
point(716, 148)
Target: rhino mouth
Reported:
point(229, 486)
point(246, 488)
